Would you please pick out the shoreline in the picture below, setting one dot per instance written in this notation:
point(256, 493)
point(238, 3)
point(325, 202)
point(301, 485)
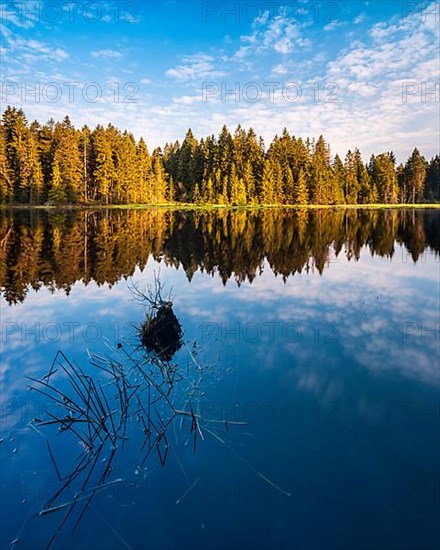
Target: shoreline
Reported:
point(193, 206)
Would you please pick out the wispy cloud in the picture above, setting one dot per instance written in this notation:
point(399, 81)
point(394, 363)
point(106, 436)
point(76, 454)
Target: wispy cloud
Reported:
point(31, 49)
point(367, 63)
point(112, 54)
point(359, 19)
point(18, 14)
point(279, 34)
point(335, 25)
point(187, 99)
point(198, 66)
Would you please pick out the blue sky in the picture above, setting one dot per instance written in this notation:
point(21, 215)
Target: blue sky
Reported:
point(156, 68)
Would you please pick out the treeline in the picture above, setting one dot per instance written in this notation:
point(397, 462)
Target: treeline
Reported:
point(55, 249)
point(56, 163)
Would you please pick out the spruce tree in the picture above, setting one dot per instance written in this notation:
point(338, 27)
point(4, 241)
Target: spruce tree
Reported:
point(415, 174)
point(56, 192)
point(196, 196)
point(208, 192)
point(432, 184)
point(266, 193)
point(144, 173)
point(352, 186)
point(159, 178)
point(339, 178)
point(301, 193)
point(6, 187)
point(104, 170)
point(58, 162)
point(249, 183)
point(383, 176)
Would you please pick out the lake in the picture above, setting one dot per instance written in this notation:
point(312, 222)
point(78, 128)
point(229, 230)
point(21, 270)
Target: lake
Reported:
point(298, 408)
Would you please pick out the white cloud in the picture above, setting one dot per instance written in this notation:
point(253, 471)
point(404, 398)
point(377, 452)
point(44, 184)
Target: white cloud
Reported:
point(187, 100)
point(32, 50)
point(280, 69)
point(113, 54)
point(59, 54)
point(19, 14)
point(130, 18)
point(369, 73)
point(360, 19)
point(198, 66)
point(281, 34)
point(334, 25)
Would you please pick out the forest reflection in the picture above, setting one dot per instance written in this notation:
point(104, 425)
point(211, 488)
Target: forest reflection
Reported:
point(55, 249)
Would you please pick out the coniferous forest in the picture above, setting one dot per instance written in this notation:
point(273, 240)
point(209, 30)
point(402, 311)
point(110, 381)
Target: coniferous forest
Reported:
point(56, 163)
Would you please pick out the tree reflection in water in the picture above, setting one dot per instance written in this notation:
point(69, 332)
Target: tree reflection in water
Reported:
point(57, 248)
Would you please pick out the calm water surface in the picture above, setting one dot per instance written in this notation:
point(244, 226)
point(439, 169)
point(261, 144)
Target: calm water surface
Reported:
point(310, 360)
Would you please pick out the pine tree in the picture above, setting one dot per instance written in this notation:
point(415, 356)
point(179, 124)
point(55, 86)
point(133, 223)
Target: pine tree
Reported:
point(187, 163)
point(277, 183)
point(197, 197)
point(128, 176)
point(6, 187)
point(22, 156)
point(104, 170)
point(249, 183)
point(301, 194)
point(170, 195)
point(66, 145)
point(289, 186)
point(225, 152)
point(56, 192)
point(56, 161)
point(208, 192)
point(234, 184)
point(223, 197)
point(365, 195)
point(339, 178)
point(159, 178)
point(46, 149)
point(241, 193)
point(401, 183)
point(415, 174)
point(144, 173)
point(320, 173)
point(352, 186)
point(266, 193)
point(85, 151)
point(31, 175)
point(432, 183)
point(255, 157)
point(383, 176)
